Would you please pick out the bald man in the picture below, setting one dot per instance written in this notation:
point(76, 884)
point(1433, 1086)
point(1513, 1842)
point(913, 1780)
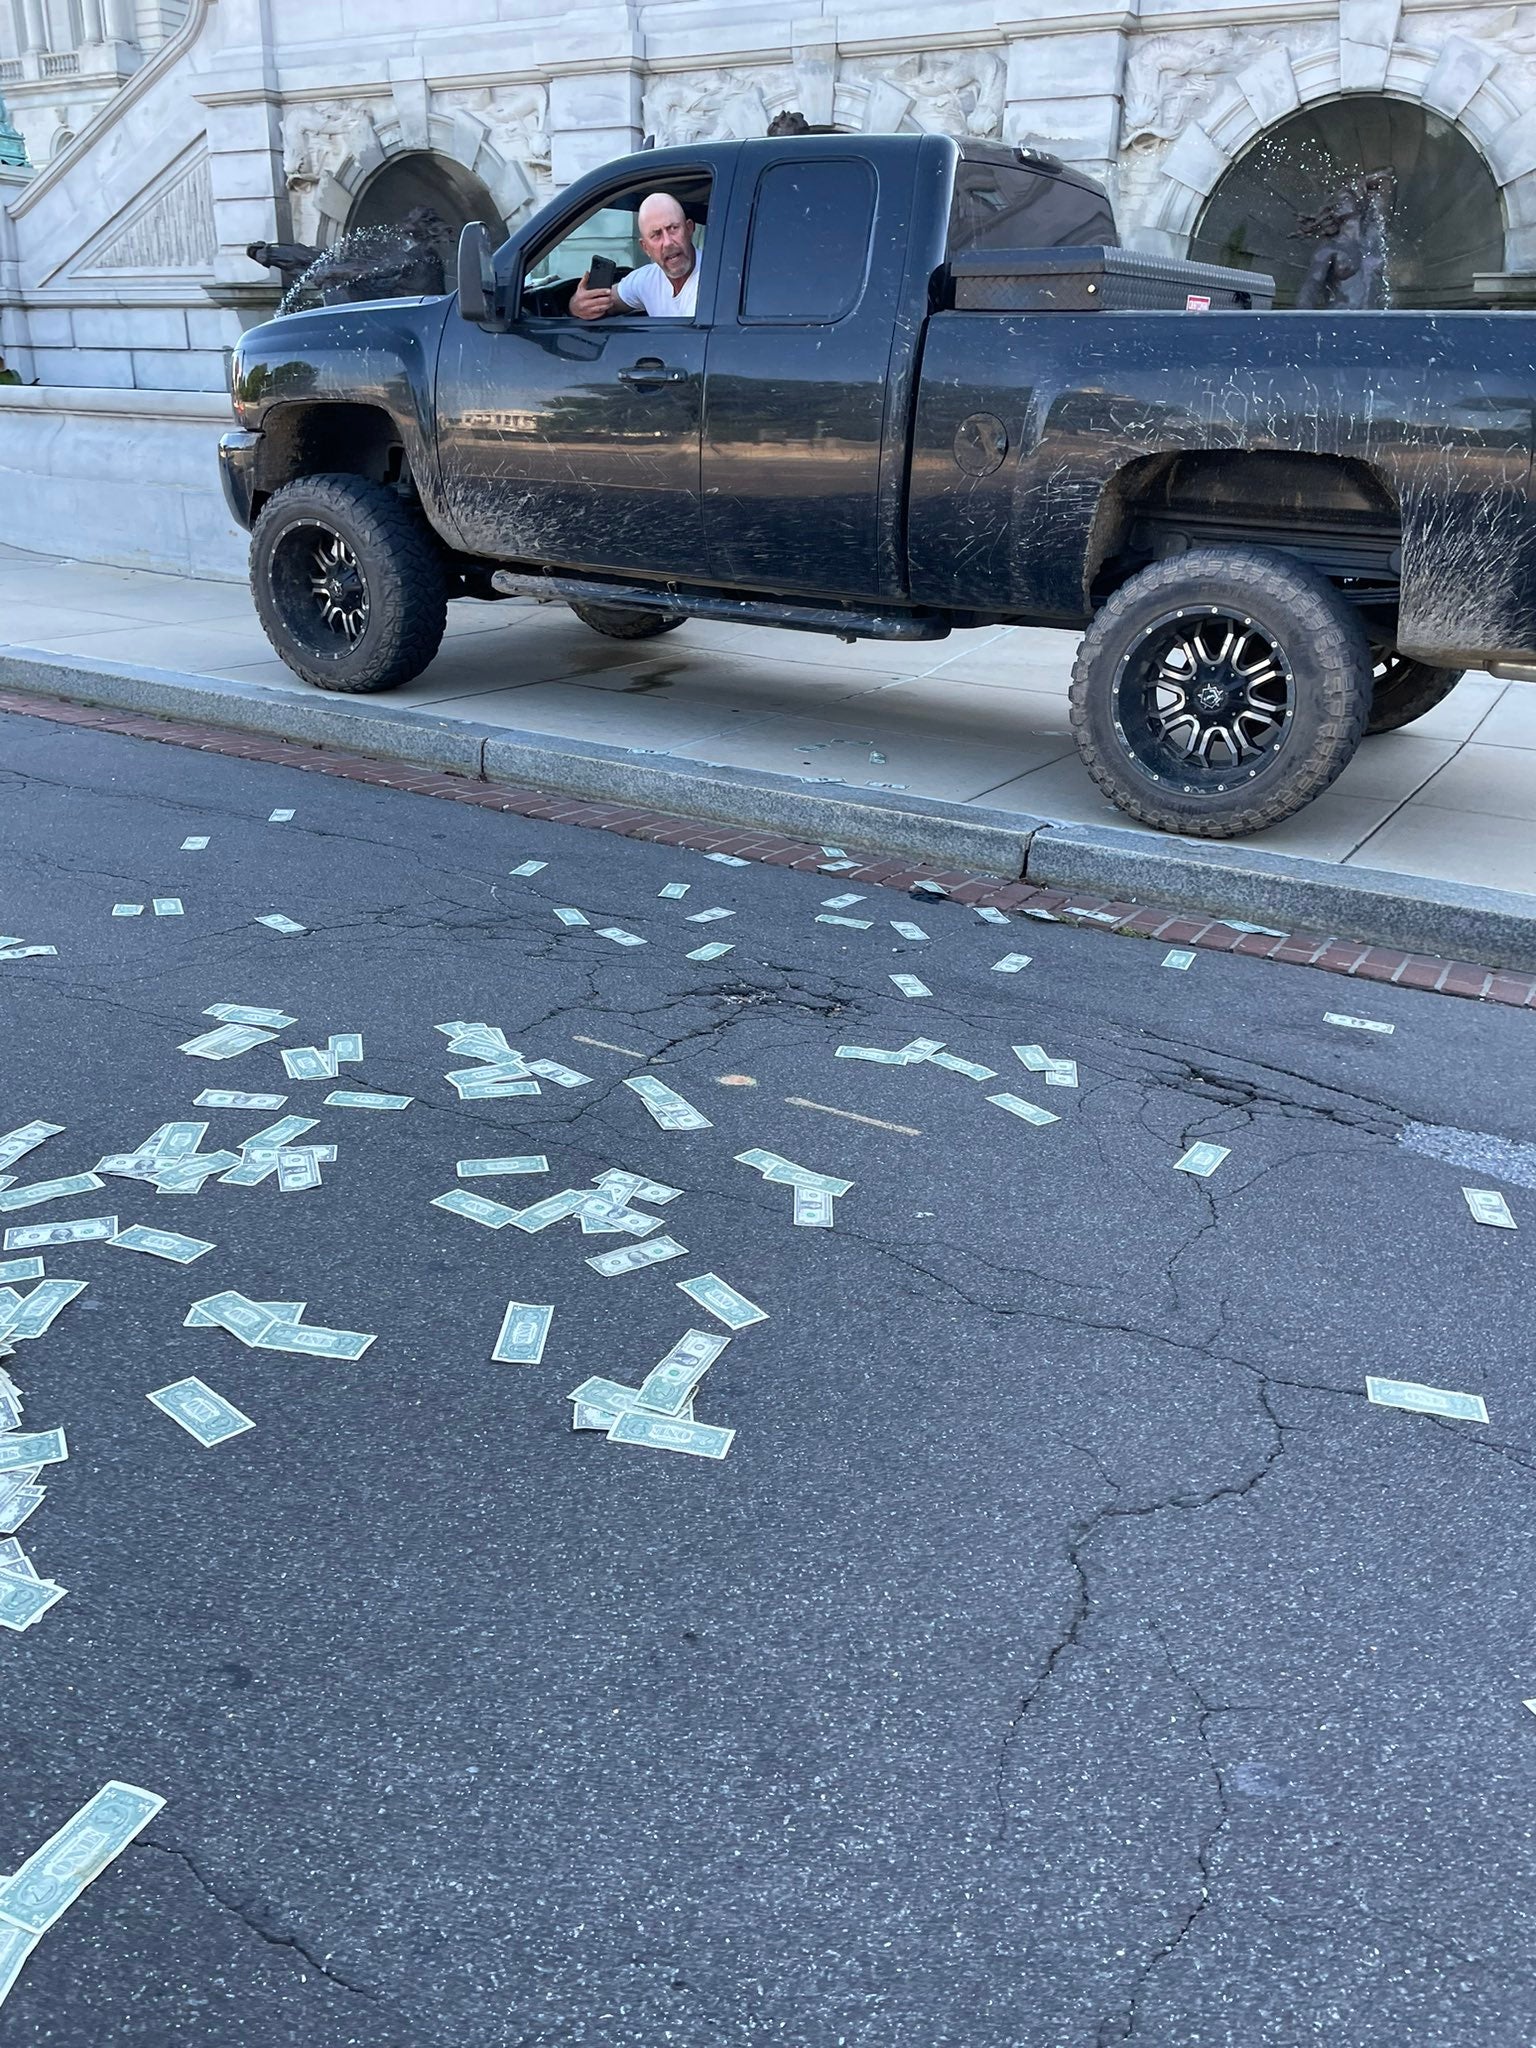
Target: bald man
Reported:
point(668, 285)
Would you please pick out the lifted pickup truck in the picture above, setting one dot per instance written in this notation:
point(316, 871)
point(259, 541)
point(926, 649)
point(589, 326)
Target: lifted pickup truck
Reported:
point(888, 416)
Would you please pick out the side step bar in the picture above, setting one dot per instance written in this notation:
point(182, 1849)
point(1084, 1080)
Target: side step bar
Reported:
point(846, 623)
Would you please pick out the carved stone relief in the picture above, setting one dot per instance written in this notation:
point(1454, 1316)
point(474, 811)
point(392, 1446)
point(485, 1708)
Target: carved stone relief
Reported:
point(1170, 80)
point(712, 106)
point(949, 92)
point(317, 140)
point(173, 232)
point(516, 120)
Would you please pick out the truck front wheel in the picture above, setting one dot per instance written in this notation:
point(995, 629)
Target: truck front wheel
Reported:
point(1403, 689)
point(1220, 690)
point(349, 583)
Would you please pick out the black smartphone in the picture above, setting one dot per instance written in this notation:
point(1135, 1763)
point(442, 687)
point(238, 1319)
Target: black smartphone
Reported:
point(602, 274)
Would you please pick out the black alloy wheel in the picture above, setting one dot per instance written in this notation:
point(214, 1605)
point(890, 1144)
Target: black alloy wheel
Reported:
point(320, 588)
point(1218, 691)
point(1202, 698)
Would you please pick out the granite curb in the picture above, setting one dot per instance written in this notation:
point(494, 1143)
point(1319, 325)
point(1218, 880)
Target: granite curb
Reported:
point(1415, 913)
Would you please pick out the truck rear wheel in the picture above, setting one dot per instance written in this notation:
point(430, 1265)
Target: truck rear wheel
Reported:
point(1220, 690)
point(349, 583)
point(625, 622)
point(1404, 689)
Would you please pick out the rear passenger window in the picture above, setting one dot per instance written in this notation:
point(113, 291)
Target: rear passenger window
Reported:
point(1000, 207)
point(809, 251)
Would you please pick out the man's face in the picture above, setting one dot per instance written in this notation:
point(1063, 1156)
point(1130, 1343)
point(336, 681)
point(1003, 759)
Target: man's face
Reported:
point(666, 236)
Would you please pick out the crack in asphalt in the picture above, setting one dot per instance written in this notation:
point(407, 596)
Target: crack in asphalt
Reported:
point(247, 1918)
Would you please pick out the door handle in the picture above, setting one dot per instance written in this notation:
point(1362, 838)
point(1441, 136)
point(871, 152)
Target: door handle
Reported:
point(651, 370)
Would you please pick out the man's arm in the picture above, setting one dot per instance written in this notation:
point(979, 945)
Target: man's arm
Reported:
point(588, 303)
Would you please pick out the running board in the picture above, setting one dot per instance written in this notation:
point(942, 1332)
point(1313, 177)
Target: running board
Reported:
point(676, 603)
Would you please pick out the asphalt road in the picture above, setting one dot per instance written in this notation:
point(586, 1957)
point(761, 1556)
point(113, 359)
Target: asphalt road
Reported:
point(1066, 1652)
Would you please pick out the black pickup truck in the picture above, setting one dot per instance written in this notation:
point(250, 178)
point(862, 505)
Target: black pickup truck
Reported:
point(905, 402)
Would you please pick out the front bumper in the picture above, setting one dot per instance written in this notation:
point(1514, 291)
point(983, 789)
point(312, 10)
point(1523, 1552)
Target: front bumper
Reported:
point(237, 471)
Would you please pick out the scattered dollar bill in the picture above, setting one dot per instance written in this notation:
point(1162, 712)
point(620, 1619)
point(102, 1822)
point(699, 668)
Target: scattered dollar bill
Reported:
point(877, 1055)
point(722, 1300)
point(161, 1244)
point(227, 1042)
point(634, 1187)
point(774, 1168)
point(524, 1329)
point(906, 930)
point(714, 951)
point(675, 891)
point(308, 1340)
point(1358, 1023)
point(813, 1208)
point(20, 1269)
point(1426, 1400)
point(696, 1439)
point(38, 1309)
point(918, 1049)
point(167, 906)
point(668, 1386)
point(39, 1447)
point(233, 1098)
point(611, 1397)
point(561, 1076)
point(710, 916)
point(127, 910)
point(726, 860)
point(530, 867)
point(667, 1108)
point(1180, 959)
point(247, 1013)
point(279, 817)
point(345, 1046)
point(54, 1876)
point(844, 902)
point(1236, 924)
point(568, 916)
point(841, 866)
point(1202, 1159)
point(23, 1600)
point(459, 1202)
point(491, 1087)
point(852, 924)
point(1010, 963)
point(283, 1132)
point(1061, 1074)
point(17, 1504)
point(552, 1209)
point(366, 1098)
point(1486, 1204)
point(32, 1192)
point(630, 1258)
point(298, 1169)
point(1017, 1106)
point(308, 1063)
point(969, 1068)
point(275, 921)
point(248, 1320)
point(619, 936)
point(522, 1162)
point(1035, 1057)
point(28, 952)
point(910, 985)
point(24, 1139)
point(84, 1230)
point(193, 845)
point(989, 915)
point(201, 1412)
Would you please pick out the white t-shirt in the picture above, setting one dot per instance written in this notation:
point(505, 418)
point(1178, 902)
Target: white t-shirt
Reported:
point(650, 290)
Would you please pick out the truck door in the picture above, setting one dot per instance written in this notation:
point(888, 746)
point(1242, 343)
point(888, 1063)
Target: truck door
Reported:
point(576, 442)
point(799, 358)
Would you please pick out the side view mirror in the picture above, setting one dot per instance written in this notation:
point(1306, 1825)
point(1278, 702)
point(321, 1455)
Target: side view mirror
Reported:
point(477, 275)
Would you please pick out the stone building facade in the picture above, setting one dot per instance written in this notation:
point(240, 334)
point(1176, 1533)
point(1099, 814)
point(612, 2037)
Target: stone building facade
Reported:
point(191, 128)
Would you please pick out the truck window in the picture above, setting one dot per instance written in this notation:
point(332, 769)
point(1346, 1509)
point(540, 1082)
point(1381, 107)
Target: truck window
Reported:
point(809, 250)
point(609, 228)
point(998, 206)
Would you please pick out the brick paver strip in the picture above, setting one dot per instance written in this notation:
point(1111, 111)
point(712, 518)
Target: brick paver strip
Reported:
point(1158, 922)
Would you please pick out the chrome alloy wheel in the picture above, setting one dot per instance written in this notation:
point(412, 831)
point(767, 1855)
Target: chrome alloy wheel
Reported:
point(1203, 700)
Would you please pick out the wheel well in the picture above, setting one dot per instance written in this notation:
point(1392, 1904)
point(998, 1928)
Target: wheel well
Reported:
point(1331, 511)
point(327, 440)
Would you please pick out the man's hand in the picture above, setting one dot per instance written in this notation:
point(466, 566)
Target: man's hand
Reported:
point(590, 304)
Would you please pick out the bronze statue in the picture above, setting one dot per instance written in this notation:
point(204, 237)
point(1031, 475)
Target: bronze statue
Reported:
point(791, 123)
point(403, 261)
point(1348, 268)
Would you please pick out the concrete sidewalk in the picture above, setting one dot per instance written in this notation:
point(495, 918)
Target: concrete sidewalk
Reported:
point(979, 719)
